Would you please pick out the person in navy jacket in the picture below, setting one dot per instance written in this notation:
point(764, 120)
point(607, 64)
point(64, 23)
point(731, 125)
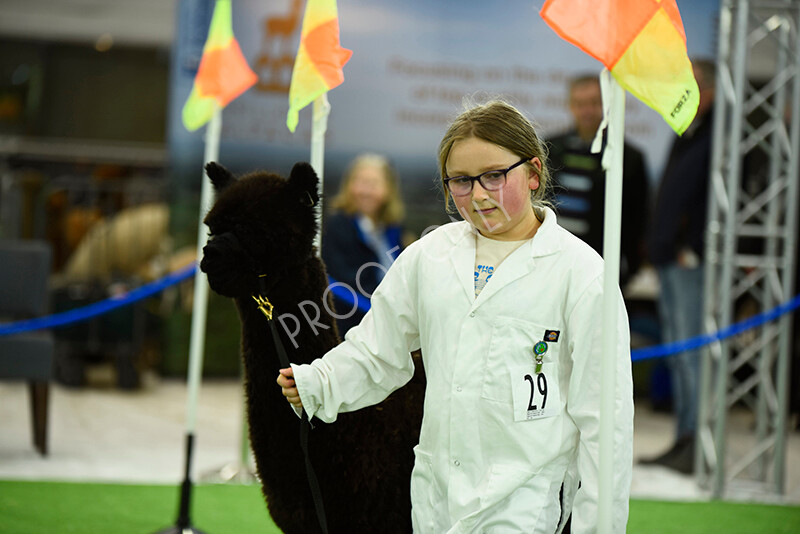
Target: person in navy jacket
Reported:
point(362, 236)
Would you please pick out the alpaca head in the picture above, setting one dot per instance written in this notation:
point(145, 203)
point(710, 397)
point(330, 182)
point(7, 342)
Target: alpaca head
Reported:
point(260, 224)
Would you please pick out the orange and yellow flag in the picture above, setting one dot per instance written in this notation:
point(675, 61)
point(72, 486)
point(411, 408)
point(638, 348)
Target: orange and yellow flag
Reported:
point(641, 42)
point(320, 58)
point(223, 73)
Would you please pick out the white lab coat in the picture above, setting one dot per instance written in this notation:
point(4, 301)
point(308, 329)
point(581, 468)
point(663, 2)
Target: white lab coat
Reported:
point(491, 457)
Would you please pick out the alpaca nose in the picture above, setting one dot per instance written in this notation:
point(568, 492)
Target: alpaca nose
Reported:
point(220, 246)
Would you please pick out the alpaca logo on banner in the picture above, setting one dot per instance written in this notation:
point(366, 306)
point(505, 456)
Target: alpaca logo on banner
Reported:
point(274, 63)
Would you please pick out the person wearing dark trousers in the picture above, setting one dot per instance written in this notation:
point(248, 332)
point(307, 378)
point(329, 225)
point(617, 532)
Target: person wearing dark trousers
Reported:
point(676, 247)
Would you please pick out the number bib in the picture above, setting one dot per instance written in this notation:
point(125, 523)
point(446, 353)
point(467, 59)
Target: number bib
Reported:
point(535, 394)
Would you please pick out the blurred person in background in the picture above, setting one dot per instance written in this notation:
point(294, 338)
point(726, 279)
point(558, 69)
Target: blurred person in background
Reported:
point(579, 181)
point(363, 235)
point(676, 247)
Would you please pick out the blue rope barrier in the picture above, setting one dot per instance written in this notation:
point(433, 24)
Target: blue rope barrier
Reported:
point(346, 295)
point(98, 308)
point(692, 343)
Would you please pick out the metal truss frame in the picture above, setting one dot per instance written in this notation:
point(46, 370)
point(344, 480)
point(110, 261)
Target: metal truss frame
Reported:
point(750, 250)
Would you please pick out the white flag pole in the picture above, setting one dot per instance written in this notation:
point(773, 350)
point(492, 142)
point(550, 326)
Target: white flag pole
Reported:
point(614, 105)
point(183, 523)
point(200, 302)
point(318, 128)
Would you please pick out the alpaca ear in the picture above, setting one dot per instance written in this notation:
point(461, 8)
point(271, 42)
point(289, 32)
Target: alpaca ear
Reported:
point(304, 179)
point(220, 176)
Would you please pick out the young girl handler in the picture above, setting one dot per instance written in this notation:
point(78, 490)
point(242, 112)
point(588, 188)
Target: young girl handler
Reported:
point(506, 307)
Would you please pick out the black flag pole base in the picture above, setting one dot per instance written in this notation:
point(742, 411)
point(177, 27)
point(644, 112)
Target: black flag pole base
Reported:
point(183, 525)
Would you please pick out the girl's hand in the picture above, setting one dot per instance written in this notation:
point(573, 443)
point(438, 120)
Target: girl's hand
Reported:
point(288, 387)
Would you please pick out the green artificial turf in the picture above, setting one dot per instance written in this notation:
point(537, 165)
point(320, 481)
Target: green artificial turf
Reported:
point(712, 518)
point(70, 508)
point(73, 508)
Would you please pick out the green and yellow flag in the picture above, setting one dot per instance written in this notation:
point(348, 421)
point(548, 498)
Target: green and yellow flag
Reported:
point(320, 58)
point(642, 44)
point(223, 73)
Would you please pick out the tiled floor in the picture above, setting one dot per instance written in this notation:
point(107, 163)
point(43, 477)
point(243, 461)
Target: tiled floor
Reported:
point(105, 434)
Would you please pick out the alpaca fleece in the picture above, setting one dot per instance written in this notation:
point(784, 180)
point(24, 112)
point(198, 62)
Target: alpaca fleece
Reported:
point(264, 224)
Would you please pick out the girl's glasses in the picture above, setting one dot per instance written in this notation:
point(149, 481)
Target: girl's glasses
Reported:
point(461, 186)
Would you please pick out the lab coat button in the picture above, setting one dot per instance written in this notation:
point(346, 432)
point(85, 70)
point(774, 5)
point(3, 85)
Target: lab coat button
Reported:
point(472, 314)
point(456, 463)
point(458, 388)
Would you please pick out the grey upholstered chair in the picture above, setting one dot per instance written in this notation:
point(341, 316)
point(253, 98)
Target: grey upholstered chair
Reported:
point(24, 274)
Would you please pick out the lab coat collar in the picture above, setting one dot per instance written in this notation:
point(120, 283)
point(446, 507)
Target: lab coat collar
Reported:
point(548, 237)
point(519, 263)
point(462, 255)
point(546, 241)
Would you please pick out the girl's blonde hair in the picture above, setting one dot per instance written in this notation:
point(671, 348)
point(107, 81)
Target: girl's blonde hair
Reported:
point(502, 124)
point(392, 211)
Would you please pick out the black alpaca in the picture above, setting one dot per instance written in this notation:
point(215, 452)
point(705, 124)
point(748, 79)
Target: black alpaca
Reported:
point(264, 225)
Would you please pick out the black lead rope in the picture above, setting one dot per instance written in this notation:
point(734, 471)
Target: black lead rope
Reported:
point(266, 308)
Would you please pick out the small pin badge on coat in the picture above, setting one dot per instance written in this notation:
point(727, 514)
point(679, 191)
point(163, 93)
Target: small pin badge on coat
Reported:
point(538, 354)
point(551, 335)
